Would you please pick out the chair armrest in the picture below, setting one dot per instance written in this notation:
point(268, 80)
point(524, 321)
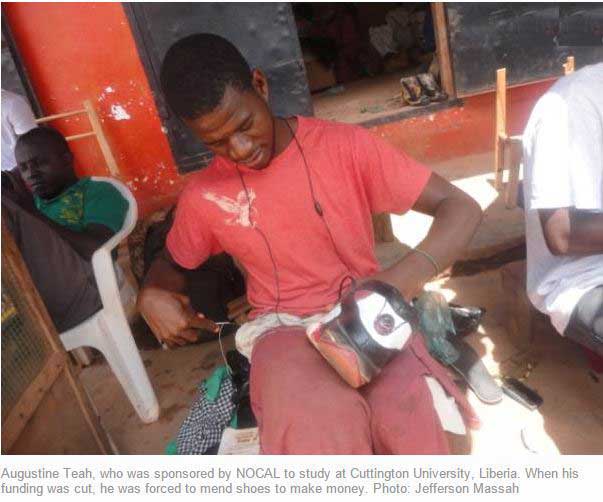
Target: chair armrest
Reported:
point(102, 262)
point(106, 279)
point(114, 241)
point(104, 270)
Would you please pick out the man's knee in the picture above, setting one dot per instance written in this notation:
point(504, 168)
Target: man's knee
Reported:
point(311, 425)
point(409, 424)
point(302, 405)
point(71, 301)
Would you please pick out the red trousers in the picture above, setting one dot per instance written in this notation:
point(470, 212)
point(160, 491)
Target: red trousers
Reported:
point(304, 407)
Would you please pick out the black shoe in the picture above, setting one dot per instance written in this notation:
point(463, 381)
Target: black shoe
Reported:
point(466, 320)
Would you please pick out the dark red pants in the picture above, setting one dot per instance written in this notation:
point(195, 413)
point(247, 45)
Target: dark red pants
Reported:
point(304, 407)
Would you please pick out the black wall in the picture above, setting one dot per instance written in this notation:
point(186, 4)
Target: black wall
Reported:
point(532, 40)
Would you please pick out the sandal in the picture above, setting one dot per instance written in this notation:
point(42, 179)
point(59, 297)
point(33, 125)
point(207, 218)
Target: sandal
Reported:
point(431, 87)
point(412, 92)
point(472, 369)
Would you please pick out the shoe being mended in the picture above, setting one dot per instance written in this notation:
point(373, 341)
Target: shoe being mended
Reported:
point(361, 335)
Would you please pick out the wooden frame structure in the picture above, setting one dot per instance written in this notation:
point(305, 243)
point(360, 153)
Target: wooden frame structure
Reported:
point(440, 24)
point(508, 150)
point(55, 366)
point(97, 132)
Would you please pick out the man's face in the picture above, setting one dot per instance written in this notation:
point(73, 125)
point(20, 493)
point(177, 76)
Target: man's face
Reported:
point(241, 127)
point(44, 170)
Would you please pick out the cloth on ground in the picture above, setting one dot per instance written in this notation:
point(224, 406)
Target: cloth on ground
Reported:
point(209, 415)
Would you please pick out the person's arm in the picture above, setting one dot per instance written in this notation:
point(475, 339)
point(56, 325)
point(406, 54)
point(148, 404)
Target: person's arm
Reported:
point(456, 217)
point(83, 243)
point(569, 231)
point(166, 308)
point(562, 169)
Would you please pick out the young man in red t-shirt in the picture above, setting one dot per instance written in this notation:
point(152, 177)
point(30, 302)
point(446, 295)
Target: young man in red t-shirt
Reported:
point(291, 199)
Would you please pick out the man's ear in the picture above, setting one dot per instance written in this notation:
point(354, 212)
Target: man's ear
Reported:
point(259, 81)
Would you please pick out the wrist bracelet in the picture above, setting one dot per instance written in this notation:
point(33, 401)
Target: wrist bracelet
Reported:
point(430, 258)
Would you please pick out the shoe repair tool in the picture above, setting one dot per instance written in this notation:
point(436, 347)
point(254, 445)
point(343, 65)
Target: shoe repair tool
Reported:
point(412, 92)
point(521, 393)
point(365, 331)
point(431, 88)
point(472, 369)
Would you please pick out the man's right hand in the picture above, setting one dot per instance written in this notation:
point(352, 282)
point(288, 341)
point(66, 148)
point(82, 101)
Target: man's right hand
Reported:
point(171, 317)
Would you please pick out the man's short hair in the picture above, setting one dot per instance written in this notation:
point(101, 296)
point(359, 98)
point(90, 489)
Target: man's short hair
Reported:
point(44, 138)
point(197, 70)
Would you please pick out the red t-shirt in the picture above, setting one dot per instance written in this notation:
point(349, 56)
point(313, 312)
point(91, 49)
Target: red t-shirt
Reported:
point(354, 174)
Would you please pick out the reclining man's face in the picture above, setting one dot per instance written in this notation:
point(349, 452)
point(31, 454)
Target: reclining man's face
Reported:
point(240, 128)
point(46, 172)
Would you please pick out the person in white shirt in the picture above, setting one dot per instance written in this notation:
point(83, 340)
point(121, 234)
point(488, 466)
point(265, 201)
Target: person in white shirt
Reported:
point(17, 119)
point(563, 198)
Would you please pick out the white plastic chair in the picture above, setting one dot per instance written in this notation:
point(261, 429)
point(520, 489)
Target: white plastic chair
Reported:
point(108, 330)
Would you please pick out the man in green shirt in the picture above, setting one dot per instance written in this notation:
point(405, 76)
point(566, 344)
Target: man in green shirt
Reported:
point(58, 220)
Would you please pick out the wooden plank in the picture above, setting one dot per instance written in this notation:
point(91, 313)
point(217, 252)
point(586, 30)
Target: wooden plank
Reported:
point(90, 416)
point(57, 427)
point(443, 48)
point(56, 116)
point(80, 136)
point(26, 406)
point(102, 140)
point(500, 130)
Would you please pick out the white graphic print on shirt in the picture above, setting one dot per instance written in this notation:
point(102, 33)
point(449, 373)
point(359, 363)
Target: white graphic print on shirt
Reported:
point(237, 208)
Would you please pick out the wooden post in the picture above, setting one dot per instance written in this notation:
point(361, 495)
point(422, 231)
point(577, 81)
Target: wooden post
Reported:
point(97, 131)
point(512, 154)
point(569, 65)
point(500, 132)
point(443, 48)
point(80, 136)
point(102, 140)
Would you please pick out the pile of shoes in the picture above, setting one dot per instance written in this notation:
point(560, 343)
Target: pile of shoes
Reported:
point(421, 90)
